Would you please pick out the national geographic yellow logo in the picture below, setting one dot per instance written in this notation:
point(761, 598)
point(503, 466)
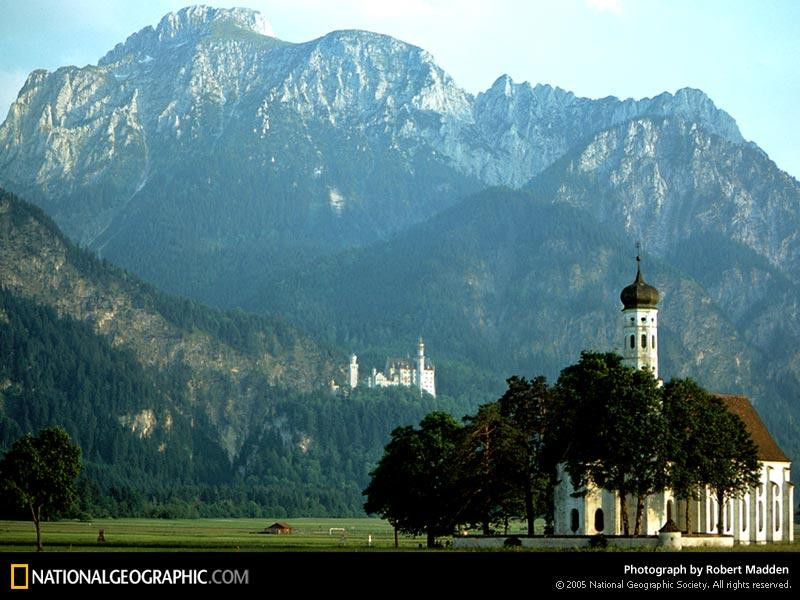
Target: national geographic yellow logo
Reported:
point(19, 577)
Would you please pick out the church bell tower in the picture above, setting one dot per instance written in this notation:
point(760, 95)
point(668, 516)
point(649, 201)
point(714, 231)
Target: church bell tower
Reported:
point(640, 324)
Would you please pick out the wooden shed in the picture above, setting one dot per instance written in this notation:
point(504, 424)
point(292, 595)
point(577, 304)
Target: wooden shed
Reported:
point(279, 528)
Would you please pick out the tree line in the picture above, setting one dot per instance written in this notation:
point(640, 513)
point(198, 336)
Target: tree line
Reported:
point(608, 425)
point(56, 371)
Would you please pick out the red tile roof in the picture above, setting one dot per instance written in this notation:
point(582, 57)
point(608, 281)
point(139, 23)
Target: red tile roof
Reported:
point(768, 448)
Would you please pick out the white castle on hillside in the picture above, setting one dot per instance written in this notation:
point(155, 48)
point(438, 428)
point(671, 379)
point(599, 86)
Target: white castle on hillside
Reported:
point(400, 371)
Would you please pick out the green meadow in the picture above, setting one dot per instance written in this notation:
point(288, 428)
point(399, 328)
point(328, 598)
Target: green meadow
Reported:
point(231, 535)
point(204, 535)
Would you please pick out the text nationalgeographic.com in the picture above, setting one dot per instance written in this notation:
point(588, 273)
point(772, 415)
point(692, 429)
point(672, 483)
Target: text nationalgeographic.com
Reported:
point(139, 577)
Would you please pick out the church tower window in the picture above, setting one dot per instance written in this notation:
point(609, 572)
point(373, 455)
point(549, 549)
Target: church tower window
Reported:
point(574, 520)
point(644, 340)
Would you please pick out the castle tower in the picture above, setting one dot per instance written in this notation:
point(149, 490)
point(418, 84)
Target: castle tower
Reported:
point(420, 363)
point(640, 324)
point(353, 371)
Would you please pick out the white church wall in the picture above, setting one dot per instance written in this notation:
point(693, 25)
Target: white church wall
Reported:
point(760, 515)
point(742, 514)
point(780, 516)
point(788, 508)
point(565, 504)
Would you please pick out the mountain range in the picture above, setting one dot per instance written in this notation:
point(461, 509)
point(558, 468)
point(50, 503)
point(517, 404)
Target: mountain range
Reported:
point(226, 148)
point(352, 193)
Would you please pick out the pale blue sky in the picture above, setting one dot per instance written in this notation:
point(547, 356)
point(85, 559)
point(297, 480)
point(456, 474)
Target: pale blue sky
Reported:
point(745, 54)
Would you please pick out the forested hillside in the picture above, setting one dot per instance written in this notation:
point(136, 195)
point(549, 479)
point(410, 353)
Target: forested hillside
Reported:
point(179, 409)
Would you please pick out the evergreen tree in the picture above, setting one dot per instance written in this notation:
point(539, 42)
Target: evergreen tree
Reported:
point(491, 468)
point(527, 404)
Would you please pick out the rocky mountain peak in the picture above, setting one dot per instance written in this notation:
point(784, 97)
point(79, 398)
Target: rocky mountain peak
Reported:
point(695, 105)
point(197, 19)
point(506, 95)
point(188, 25)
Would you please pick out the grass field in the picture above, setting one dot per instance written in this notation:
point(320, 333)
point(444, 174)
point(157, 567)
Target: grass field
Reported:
point(204, 535)
point(227, 535)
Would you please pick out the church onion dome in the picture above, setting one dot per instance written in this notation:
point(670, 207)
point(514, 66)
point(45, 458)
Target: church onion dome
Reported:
point(639, 294)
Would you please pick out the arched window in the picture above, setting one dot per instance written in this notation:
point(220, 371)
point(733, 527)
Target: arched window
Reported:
point(574, 520)
point(599, 520)
point(633, 342)
point(644, 340)
point(761, 515)
point(777, 504)
point(653, 342)
point(728, 515)
point(743, 512)
point(669, 510)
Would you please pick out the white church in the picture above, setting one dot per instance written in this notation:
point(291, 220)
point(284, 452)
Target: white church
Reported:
point(763, 514)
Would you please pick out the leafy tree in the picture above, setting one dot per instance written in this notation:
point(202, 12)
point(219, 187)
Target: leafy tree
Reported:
point(732, 465)
point(40, 472)
point(709, 445)
point(413, 486)
point(613, 432)
point(686, 408)
point(527, 404)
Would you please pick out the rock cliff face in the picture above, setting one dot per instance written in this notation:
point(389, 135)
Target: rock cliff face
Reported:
point(227, 148)
point(667, 179)
point(531, 127)
point(220, 366)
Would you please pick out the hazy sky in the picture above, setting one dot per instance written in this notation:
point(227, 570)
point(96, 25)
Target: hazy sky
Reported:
point(745, 54)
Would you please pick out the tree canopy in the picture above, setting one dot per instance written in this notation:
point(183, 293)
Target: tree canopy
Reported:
point(490, 470)
point(709, 446)
point(611, 426)
point(619, 431)
point(731, 457)
point(39, 474)
point(528, 406)
point(413, 486)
